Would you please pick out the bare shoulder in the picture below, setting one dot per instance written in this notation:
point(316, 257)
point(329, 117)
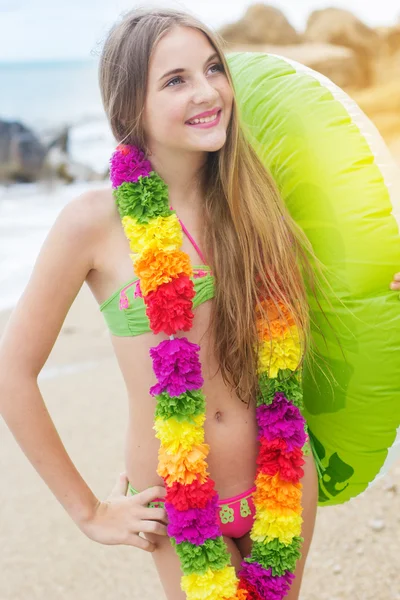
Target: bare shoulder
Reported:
point(89, 219)
point(92, 211)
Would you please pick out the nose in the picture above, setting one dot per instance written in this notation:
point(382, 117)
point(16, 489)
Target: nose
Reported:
point(204, 92)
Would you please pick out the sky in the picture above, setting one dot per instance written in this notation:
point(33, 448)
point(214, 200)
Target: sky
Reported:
point(33, 30)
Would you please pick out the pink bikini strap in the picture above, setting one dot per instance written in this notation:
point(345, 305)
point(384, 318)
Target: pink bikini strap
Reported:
point(192, 240)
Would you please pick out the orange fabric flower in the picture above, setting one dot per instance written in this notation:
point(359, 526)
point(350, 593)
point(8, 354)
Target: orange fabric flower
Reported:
point(155, 267)
point(279, 320)
point(274, 493)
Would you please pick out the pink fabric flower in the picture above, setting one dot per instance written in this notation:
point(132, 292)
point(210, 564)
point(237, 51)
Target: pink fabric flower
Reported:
point(281, 419)
point(195, 525)
point(128, 163)
point(177, 367)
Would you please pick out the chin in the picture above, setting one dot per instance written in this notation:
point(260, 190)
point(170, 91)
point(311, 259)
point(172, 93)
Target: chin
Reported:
point(211, 145)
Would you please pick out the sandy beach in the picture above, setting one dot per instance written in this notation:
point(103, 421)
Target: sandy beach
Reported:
point(354, 554)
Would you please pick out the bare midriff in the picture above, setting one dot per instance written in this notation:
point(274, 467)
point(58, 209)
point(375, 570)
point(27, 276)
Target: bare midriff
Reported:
point(230, 426)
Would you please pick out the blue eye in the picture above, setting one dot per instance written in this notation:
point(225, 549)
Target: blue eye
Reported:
point(174, 79)
point(219, 66)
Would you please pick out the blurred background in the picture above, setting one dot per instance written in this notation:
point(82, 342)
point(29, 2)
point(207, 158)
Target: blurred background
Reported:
point(54, 144)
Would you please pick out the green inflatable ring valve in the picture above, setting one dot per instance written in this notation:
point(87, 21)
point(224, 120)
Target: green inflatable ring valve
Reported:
point(342, 187)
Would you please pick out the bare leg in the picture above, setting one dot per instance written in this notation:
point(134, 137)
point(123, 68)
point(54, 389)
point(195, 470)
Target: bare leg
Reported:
point(309, 503)
point(168, 567)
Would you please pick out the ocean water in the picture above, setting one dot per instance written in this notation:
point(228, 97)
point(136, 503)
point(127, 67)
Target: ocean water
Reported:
point(47, 96)
point(43, 94)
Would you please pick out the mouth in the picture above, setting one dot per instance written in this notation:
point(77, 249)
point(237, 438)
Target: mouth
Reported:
point(207, 122)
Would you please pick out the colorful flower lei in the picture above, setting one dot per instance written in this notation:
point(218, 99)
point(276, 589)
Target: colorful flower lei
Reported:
point(191, 501)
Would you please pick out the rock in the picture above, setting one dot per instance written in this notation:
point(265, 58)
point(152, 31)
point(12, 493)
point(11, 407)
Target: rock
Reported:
point(61, 141)
point(382, 105)
point(261, 24)
point(337, 569)
point(21, 153)
point(340, 64)
point(391, 486)
point(340, 27)
point(68, 330)
point(24, 158)
point(377, 525)
point(390, 39)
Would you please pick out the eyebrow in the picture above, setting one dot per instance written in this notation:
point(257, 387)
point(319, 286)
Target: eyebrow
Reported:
point(181, 70)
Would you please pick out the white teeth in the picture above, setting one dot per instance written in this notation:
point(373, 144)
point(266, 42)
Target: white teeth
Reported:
point(204, 120)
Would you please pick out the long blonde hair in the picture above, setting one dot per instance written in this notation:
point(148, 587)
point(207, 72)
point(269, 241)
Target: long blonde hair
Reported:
point(256, 251)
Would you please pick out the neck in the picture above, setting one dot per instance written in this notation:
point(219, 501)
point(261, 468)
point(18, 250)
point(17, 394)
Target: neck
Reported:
point(181, 171)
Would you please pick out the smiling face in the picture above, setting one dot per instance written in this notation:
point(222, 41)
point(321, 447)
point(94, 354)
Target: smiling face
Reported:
point(173, 100)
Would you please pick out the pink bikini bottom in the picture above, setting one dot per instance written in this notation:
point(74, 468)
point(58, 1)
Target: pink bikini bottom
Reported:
point(235, 515)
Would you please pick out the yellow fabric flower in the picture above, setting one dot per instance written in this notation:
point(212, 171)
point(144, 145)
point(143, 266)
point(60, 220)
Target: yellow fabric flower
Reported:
point(163, 233)
point(269, 525)
point(183, 466)
point(211, 585)
point(280, 353)
point(173, 433)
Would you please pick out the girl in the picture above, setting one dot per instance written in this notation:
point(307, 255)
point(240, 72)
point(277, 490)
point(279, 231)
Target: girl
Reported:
point(167, 92)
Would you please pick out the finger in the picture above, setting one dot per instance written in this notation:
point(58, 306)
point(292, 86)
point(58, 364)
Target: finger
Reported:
point(149, 495)
point(142, 543)
point(397, 277)
point(154, 514)
point(153, 527)
point(395, 285)
point(121, 486)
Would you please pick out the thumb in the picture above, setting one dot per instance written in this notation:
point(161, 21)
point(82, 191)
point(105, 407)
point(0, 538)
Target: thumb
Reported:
point(120, 487)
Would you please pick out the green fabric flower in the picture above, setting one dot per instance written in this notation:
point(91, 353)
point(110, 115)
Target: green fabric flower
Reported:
point(276, 556)
point(143, 200)
point(287, 382)
point(197, 559)
point(184, 407)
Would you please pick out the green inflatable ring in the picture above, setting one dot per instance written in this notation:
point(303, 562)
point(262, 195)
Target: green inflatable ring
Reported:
point(340, 184)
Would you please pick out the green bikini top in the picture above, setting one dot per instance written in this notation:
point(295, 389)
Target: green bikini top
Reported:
point(133, 319)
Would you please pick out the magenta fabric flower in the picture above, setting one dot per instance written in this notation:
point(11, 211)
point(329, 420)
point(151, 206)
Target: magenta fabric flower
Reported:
point(281, 419)
point(128, 163)
point(268, 586)
point(177, 367)
point(195, 525)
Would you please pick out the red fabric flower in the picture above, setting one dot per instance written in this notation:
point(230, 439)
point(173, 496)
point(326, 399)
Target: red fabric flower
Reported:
point(252, 593)
point(195, 495)
point(169, 307)
point(273, 458)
